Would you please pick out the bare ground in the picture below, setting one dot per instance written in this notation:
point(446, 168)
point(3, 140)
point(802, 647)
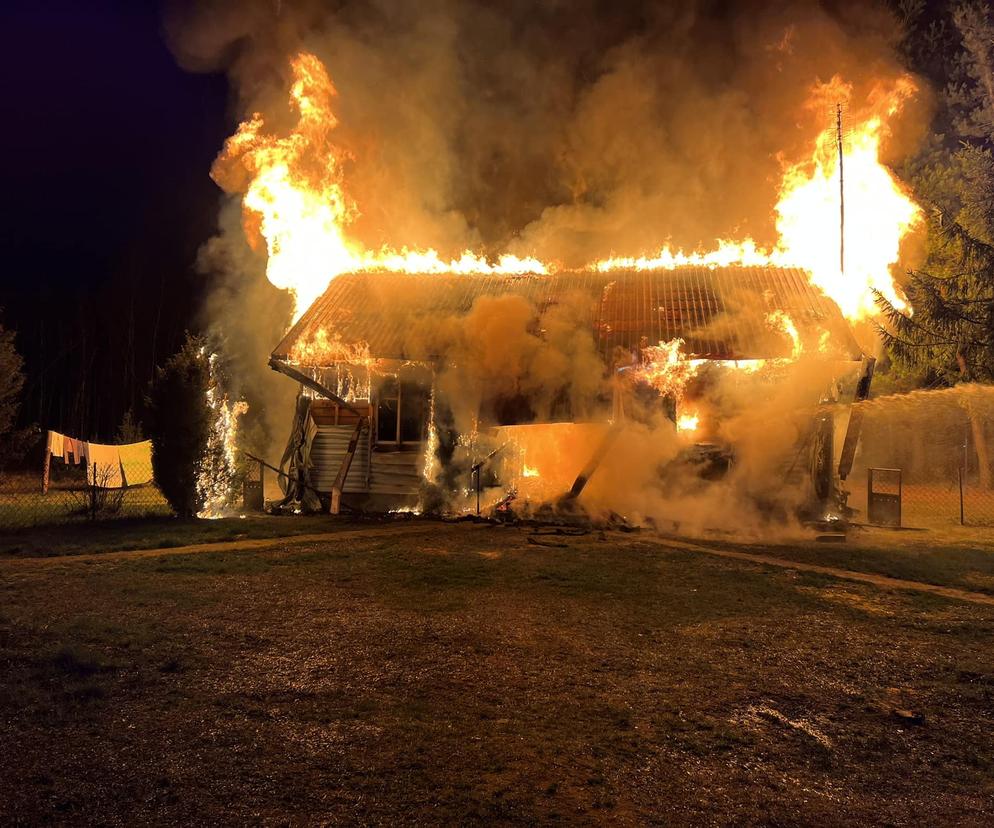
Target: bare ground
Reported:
point(436, 674)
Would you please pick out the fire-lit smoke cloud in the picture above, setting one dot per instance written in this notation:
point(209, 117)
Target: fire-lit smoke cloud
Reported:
point(568, 132)
point(565, 131)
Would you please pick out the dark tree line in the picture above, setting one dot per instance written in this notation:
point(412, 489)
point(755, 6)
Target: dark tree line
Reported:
point(107, 200)
point(13, 440)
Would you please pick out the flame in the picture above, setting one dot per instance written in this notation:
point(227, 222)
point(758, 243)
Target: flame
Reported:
point(295, 197)
point(322, 349)
point(295, 190)
point(432, 466)
point(428, 261)
point(688, 422)
point(780, 321)
point(295, 201)
point(667, 369)
point(879, 211)
point(726, 253)
point(218, 466)
point(529, 471)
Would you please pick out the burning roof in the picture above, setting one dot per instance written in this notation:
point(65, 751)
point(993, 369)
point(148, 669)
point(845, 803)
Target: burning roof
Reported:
point(717, 312)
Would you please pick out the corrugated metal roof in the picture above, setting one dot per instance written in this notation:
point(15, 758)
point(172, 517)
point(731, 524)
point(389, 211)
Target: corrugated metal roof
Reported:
point(719, 313)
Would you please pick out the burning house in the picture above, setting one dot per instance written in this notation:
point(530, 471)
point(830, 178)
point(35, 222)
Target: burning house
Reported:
point(643, 386)
point(386, 408)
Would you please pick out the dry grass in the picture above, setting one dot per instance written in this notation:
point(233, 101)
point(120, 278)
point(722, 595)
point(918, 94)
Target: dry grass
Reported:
point(458, 674)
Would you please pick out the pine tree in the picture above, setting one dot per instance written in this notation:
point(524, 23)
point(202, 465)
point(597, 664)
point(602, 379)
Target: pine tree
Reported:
point(130, 430)
point(951, 329)
point(11, 381)
point(179, 425)
point(13, 442)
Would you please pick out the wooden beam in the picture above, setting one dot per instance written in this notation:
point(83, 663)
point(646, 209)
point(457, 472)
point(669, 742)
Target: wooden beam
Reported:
point(581, 481)
point(856, 419)
point(313, 384)
point(47, 463)
point(343, 470)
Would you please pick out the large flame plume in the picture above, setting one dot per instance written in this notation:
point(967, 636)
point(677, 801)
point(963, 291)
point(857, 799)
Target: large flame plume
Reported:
point(296, 202)
point(296, 199)
point(879, 211)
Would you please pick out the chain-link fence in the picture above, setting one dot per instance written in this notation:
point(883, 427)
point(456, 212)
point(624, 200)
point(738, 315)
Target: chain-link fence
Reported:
point(942, 444)
point(77, 493)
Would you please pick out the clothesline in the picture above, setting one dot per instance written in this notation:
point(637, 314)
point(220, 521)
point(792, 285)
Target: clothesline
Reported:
point(107, 467)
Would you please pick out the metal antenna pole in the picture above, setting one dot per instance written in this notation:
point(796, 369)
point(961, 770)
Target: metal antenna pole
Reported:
point(842, 192)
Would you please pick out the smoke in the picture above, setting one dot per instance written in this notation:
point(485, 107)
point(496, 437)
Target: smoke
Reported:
point(246, 317)
point(525, 389)
point(652, 474)
point(562, 130)
point(565, 130)
point(506, 361)
point(930, 435)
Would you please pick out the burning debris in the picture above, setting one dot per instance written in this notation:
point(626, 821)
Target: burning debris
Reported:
point(666, 369)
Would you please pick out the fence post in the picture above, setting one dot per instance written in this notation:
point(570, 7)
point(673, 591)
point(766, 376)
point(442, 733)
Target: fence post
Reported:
point(47, 464)
point(93, 493)
point(961, 521)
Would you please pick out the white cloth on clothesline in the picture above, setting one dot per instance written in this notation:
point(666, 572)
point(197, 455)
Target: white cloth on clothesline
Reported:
point(136, 462)
point(103, 467)
point(56, 443)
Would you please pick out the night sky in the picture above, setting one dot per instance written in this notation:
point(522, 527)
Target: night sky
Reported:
point(107, 144)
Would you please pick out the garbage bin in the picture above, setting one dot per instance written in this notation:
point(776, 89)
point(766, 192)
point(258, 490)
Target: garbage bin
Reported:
point(883, 497)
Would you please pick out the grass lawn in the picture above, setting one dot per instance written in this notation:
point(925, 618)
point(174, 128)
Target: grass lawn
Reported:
point(430, 673)
point(29, 508)
point(962, 558)
point(162, 532)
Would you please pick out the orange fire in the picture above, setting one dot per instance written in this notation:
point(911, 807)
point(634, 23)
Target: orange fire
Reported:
point(688, 421)
point(296, 197)
point(781, 322)
point(295, 200)
point(879, 210)
point(322, 349)
point(218, 466)
point(667, 369)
